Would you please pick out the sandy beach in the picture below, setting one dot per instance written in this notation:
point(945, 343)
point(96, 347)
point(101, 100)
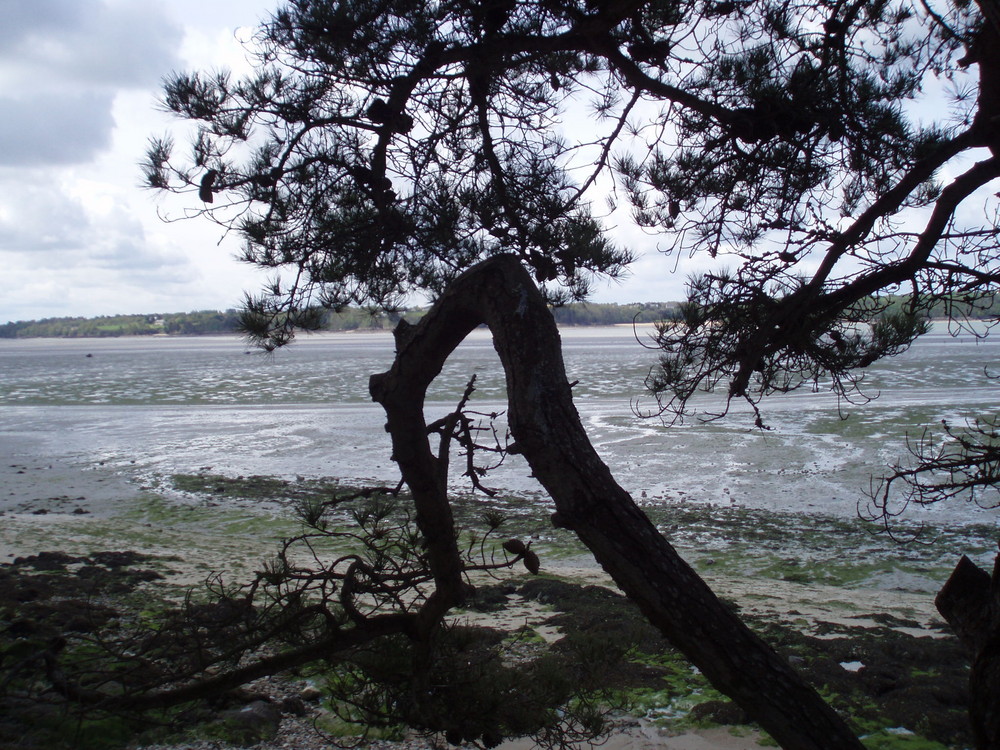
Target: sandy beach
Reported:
point(46, 499)
point(32, 478)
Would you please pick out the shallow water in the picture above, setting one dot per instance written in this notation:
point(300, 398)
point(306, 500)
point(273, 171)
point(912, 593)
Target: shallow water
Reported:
point(156, 406)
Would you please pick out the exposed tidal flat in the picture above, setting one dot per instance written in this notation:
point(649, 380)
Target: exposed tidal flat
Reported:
point(193, 451)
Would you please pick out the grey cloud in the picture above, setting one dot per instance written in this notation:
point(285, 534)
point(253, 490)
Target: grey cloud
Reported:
point(93, 42)
point(128, 253)
point(129, 44)
point(61, 62)
point(52, 129)
point(23, 19)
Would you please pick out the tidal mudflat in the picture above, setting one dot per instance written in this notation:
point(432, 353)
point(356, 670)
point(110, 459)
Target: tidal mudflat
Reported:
point(190, 453)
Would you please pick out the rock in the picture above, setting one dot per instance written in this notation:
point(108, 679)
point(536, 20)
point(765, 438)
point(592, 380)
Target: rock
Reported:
point(256, 722)
point(293, 705)
point(719, 712)
point(115, 559)
point(244, 696)
point(310, 694)
point(48, 561)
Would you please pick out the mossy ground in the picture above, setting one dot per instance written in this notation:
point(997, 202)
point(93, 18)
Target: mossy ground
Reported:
point(910, 694)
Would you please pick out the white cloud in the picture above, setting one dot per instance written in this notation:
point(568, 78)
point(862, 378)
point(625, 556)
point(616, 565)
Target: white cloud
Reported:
point(62, 228)
point(37, 219)
point(78, 86)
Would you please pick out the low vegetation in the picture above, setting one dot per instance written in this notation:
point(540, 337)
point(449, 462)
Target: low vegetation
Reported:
point(901, 683)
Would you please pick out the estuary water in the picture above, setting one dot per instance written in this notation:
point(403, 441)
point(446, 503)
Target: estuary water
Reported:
point(155, 406)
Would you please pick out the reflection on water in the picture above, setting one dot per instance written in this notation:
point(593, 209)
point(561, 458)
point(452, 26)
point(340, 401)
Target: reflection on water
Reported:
point(162, 405)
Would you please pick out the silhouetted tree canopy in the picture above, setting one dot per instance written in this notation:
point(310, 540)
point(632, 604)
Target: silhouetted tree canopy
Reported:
point(381, 147)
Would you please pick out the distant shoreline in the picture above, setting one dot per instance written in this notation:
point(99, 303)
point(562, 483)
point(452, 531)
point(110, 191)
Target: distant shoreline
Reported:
point(302, 334)
point(641, 325)
point(215, 322)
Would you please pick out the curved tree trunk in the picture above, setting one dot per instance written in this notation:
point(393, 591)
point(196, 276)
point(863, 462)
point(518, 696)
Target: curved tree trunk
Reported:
point(548, 432)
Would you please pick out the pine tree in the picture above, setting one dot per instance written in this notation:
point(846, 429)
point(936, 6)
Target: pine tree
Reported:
point(385, 147)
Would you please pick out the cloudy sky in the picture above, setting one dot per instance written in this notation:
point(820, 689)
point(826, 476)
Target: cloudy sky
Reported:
point(78, 235)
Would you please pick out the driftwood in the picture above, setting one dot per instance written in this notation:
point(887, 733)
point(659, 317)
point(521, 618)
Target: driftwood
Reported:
point(547, 431)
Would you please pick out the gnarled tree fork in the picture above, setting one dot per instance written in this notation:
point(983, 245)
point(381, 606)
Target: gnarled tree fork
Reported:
point(547, 430)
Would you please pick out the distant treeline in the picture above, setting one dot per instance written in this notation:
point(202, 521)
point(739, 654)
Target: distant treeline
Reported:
point(205, 321)
point(214, 322)
point(984, 308)
point(611, 314)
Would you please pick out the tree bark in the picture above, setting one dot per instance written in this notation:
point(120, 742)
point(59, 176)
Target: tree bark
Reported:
point(547, 431)
point(970, 602)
